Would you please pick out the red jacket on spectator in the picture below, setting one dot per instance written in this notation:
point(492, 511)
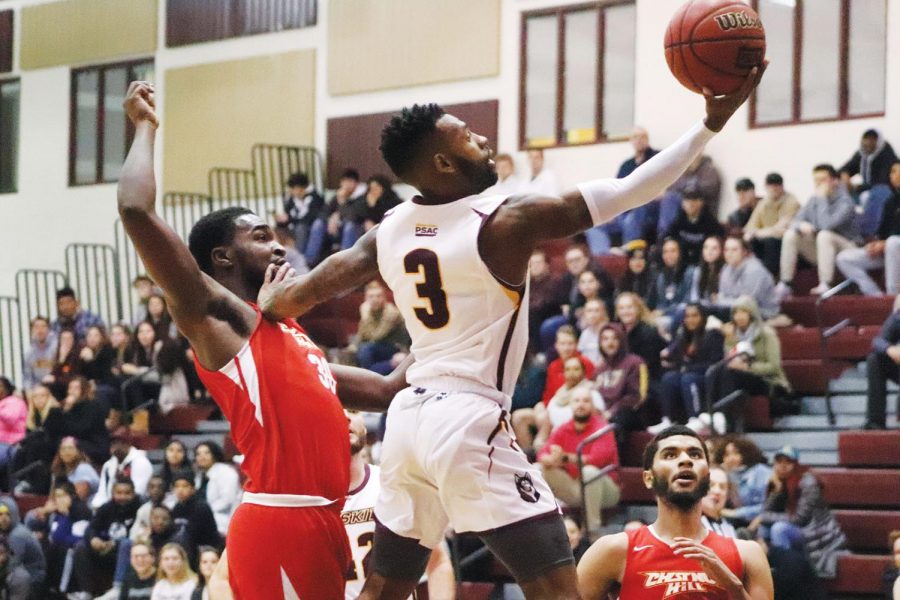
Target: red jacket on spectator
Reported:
point(556, 376)
point(13, 413)
point(598, 453)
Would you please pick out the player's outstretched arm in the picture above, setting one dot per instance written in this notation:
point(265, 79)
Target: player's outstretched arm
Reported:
point(602, 566)
point(758, 583)
point(219, 588)
point(339, 273)
point(361, 389)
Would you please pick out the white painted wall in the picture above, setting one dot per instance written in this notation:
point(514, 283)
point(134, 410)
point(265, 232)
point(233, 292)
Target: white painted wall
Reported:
point(37, 222)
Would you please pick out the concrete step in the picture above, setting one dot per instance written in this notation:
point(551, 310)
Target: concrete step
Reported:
point(820, 422)
point(847, 405)
point(192, 439)
point(802, 440)
point(222, 426)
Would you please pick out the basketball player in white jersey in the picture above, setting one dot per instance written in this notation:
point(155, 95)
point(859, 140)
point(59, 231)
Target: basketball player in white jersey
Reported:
point(457, 264)
point(359, 519)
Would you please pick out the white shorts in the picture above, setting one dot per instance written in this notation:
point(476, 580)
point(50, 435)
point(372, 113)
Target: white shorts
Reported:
point(451, 457)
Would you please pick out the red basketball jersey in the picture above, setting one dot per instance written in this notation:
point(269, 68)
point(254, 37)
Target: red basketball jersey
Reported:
point(654, 572)
point(279, 395)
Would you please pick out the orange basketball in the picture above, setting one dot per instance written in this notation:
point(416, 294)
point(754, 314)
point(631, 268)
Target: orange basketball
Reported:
point(714, 44)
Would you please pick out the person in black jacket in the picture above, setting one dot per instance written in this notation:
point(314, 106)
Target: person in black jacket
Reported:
point(694, 223)
point(193, 518)
point(302, 206)
point(872, 162)
point(882, 364)
point(643, 338)
point(95, 556)
point(380, 198)
point(141, 577)
point(95, 362)
point(690, 354)
point(85, 420)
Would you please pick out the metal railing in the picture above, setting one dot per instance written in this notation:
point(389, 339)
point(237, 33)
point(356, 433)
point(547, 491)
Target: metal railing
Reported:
point(182, 209)
point(36, 293)
point(824, 336)
point(579, 461)
point(273, 164)
point(93, 271)
point(233, 187)
point(11, 339)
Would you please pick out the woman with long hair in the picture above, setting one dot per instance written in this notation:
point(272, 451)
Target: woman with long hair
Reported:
point(174, 579)
point(158, 316)
point(96, 360)
point(209, 558)
point(72, 464)
point(119, 339)
point(639, 276)
point(65, 367)
point(217, 482)
point(379, 199)
point(673, 284)
point(43, 426)
point(748, 474)
point(175, 460)
point(139, 359)
point(643, 338)
point(705, 286)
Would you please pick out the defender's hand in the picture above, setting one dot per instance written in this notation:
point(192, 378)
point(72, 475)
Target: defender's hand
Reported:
point(275, 280)
point(720, 108)
point(140, 105)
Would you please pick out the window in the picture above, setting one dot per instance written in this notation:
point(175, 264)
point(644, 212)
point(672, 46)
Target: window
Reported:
point(577, 79)
point(100, 133)
point(9, 135)
point(827, 61)
point(194, 21)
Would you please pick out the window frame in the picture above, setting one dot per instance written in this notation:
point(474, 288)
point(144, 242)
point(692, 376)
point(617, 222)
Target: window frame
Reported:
point(560, 11)
point(7, 81)
point(100, 133)
point(796, 72)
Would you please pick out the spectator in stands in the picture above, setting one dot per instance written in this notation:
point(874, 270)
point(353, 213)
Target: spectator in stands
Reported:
point(193, 518)
point(217, 482)
point(673, 285)
point(542, 181)
point(70, 315)
point(769, 222)
point(174, 389)
point(71, 464)
point(744, 275)
point(693, 350)
point(695, 222)
point(65, 366)
point(559, 462)
point(140, 358)
point(85, 420)
point(713, 504)
point(634, 224)
point(379, 199)
point(594, 317)
point(176, 580)
point(883, 252)
point(796, 516)
point(752, 357)
point(593, 284)
point(126, 462)
point(13, 415)
point(749, 473)
point(578, 542)
point(643, 339)
point(621, 382)
point(294, 257)
point(162, 527)
point(120, 340)
point(143, 287)
point(871, 163)
point(701, 176)
point(209, 558)
point(302, 205)
point(95, 557)
point(175, 460)
point(158, 316)
point(706, 276)
point(140, 579)
point(882, 365)
point(823, 227)
point(41, 355)
point(43, 425)
point(381, 332)
point(62, 522)
point(577, 262)
point(891, 576)
point(566, 347)
point(15, 583)
point(639, 277)
point(508, 183)
point(24, 546)
point(96, 361)
point(156, 495)
point(542, 296)
point(746, 201)
point(335, 225)
point(559, 409)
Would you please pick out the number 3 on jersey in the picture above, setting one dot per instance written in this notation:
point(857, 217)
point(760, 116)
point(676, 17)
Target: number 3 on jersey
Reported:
point(425, 263)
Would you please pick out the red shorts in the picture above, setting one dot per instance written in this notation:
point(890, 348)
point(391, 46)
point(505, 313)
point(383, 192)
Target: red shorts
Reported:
point(274, 549)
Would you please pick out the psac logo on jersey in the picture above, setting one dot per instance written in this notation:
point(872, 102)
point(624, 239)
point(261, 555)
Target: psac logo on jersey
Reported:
point(679, 582)
point(423, 230)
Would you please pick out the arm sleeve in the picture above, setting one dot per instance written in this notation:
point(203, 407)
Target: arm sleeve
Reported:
point(810, 498)
point(606, 198)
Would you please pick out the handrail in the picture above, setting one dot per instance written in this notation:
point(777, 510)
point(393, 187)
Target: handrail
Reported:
point(579, 461)
point(833, 291)
point(824, 336)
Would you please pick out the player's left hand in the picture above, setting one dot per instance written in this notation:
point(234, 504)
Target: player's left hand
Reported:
point(711, 563)
point(720, 108)
point(275, 280)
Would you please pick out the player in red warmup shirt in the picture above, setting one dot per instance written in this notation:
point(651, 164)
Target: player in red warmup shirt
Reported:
point(273, 384)
point(676, 557)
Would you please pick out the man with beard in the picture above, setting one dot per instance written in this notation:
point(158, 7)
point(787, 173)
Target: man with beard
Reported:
point(676, 555)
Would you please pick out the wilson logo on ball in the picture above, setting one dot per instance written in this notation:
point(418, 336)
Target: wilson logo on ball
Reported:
point(737, 20)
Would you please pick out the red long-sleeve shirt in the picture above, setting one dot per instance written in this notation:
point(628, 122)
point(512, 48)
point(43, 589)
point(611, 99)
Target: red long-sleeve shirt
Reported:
point(599, 453)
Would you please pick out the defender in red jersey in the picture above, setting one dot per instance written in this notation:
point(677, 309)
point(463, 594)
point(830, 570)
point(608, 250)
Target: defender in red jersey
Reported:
point(676, 557)
point(273, 384)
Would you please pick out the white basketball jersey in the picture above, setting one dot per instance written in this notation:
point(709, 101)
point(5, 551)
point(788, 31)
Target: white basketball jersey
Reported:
point(469, 330)
point(359, 520)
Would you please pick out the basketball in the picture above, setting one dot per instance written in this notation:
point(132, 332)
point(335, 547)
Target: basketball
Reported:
point(714, 44)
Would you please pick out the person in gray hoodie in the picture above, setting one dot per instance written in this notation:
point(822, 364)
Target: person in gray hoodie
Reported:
point(743, 275)
point(823, 227)
point(23, 544)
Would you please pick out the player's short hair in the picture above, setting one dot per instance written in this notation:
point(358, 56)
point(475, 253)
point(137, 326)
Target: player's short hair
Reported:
point(211, 231)
point(566, 330)
point(124, 480)
point(653, 445)
point(402, 137)
point(350, 174)
point(298, 179)
point(827, 168)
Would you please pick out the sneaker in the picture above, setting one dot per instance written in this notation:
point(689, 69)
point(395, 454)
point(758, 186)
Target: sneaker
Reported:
point(819, 290)
point(719, 423)
point(698, 426)
point(664, 424)
point(782, 292)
